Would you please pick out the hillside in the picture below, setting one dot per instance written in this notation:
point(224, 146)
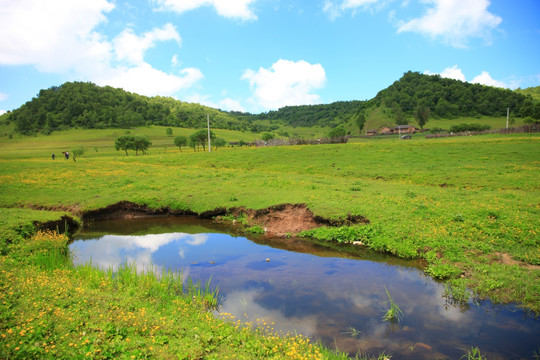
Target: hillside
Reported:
point(86, 105)
point(323, 115)
point(532, 92)
point(447, 98)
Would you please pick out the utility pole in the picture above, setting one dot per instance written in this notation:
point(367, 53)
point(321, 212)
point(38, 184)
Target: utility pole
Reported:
point(208, 122)
point(507, 116)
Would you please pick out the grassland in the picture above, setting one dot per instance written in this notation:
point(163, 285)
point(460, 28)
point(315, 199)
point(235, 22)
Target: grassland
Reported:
point(468, 206)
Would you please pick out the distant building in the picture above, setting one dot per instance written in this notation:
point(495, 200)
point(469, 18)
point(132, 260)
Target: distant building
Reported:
point(400, 129)
point(385, 130)
point(371, 132)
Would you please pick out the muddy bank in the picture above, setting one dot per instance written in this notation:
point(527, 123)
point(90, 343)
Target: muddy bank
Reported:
point(278, 220)
point(65, 224)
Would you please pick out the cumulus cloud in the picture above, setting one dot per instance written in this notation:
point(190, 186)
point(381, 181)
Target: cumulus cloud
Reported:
point(130, 47)
point(485, 79)
point(145, 80)
point(286, 83)
point(452, 72)
point(455, 73)
point(454, 21)
point(236, 9)
point(52, 35)
point(59, 36)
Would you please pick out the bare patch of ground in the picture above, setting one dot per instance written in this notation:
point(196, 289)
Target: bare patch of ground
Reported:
point(506, 259)
point(285, 219)
point(280, 220)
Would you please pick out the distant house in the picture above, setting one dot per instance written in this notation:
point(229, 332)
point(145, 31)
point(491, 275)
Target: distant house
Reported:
point(371, 132)
point(400, 129)
point(385, 130)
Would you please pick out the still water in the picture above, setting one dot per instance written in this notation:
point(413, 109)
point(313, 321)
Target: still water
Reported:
point(328, 295)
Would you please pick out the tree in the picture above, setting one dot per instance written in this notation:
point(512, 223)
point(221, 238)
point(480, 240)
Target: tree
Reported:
point(169, 131)
point(360, 121)
point(400, 117)
point(200, 137)
point(180, 141)
point(78, 151)
point(141, 143)
point(219, 142)
point(124, 142)
point(338, 131)
point(421, 115)
point(267, 136)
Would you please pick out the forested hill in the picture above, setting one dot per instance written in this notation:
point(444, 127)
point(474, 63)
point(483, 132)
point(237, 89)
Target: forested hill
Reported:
point(313, 115)
point(86, 105)
point(448, 98)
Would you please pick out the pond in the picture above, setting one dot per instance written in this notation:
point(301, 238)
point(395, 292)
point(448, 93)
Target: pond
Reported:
point(331, 296)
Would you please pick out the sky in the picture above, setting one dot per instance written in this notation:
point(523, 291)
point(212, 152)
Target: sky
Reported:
point(260, 55)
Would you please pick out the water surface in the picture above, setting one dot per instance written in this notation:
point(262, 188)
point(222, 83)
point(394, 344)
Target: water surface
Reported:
point(331, 296)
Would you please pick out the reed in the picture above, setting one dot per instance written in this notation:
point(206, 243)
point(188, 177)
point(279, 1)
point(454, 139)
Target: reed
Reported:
point(394, 313)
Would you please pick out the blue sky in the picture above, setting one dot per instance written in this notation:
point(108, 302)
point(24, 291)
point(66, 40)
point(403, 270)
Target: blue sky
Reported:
point(260, 55)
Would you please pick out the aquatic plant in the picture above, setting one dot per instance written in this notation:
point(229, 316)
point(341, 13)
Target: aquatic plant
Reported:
point(394, 313)
point(352, 331)
point(473, 354)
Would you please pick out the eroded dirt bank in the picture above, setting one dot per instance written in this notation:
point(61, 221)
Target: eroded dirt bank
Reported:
point(278, 220)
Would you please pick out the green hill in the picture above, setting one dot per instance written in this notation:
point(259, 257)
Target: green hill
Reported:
point(532, 92)
point(447, 101)
point(87, 105)
point(447, 98)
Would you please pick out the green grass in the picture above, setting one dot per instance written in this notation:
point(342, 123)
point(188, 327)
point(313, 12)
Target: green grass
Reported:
point(382, 116)
point(462, 204)
point(51, 310)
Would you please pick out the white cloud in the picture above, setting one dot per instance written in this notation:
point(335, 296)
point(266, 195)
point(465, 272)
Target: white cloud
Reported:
point(231, 105)
point(2, 112)
point(334, 9)
point(350, 4)
point(286, 83)
point(452, 72)
point(485, 79)
point(3, 96)
point(174, 60)
point(454, 21)
point(239, 9)
point(58, 36)
point(130, 47)
point(52, 35)
point(146, 80)
point(455, 73)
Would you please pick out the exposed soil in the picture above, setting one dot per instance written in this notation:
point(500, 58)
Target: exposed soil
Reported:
point(64, 224)
point(506, 259)
point(278, 220)
point(130, 210)
point(282, 219)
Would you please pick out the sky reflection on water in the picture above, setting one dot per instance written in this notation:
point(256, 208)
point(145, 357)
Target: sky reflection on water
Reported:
point(322, 295)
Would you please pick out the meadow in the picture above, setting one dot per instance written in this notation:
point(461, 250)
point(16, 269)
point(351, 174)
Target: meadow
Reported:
point(468, 206)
